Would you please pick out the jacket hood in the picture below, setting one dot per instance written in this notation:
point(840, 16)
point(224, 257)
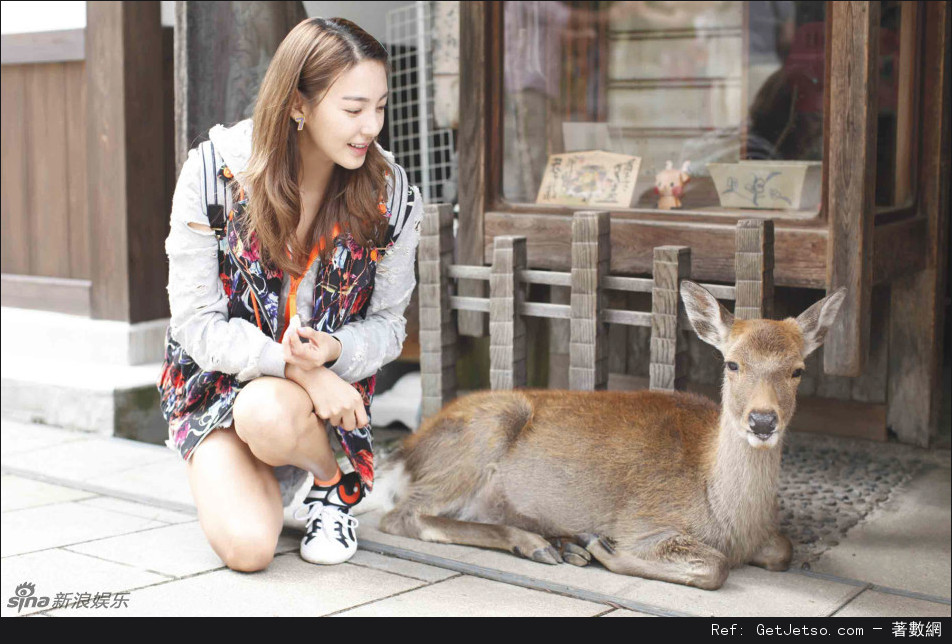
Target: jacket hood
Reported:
point(234, 144)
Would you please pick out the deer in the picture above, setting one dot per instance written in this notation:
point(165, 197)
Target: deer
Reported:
point(661, 485)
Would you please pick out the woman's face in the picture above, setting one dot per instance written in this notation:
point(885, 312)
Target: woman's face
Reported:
point(343, 125)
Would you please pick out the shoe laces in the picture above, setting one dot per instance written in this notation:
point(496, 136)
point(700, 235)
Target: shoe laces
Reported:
point(315, 512)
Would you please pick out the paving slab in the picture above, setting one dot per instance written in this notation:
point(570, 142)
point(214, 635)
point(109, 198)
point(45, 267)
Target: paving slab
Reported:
point(162, 480)
point(398, 566)
point(467, 596)
point(59, 571)
point(872, 603)
point(177, 550)
point(85, 460)
point(139, 509)
point(748, 591)
point(20, 437)
point(17, 493)
point(904, 543)
point(288, 587)
point(61, 524)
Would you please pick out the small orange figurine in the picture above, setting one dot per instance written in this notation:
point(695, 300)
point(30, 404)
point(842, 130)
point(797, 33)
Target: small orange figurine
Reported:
point(669, 185)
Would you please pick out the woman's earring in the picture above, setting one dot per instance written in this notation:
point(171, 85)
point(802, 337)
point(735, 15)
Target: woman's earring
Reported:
point(300, 122)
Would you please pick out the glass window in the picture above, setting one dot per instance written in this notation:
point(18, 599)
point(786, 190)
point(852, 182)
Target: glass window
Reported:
point(709, 106)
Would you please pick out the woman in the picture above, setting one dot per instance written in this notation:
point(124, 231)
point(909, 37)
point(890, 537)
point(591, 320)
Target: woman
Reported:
point(295, 214)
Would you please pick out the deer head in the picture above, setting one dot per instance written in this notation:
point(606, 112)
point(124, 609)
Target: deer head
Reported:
point(763, 360)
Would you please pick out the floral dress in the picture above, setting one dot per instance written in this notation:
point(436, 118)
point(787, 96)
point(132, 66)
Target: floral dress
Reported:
point(194, 401)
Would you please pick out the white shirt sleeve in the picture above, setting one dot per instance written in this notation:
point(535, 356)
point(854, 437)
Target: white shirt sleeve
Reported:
point(368, 344)
point(199, 307)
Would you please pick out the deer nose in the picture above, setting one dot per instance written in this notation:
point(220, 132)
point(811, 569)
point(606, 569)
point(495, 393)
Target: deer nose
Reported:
point(762, 423)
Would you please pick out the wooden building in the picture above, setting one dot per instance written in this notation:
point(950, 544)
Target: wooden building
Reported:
point(860, 87)
point(94, 119)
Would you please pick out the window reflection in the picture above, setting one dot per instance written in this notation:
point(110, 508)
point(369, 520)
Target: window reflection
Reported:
point(698, 82)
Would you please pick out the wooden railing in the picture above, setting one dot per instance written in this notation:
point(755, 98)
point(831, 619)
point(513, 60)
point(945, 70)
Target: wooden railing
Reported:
point(589, 278)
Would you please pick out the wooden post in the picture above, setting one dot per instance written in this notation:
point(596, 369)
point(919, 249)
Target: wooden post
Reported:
point(125, 190)
point(669, 347)
point(222, 50)
point(753, 268)
point(591, 257)
point(437, 326)
point(474, 114)
point(507, 329)
point(851, 172)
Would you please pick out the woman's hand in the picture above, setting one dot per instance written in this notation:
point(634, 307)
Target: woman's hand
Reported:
point(334, 399)
point(315, 350)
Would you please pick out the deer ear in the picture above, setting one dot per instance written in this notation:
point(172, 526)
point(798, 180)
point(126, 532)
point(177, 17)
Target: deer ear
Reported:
point(710, 319)
point(817, 320)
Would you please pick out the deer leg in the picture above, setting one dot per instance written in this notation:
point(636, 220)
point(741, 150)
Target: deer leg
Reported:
point(679, 559)
point(468, 533)
point(775, 553)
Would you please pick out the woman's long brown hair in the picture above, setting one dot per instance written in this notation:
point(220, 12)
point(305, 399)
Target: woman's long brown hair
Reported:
point(309, 59)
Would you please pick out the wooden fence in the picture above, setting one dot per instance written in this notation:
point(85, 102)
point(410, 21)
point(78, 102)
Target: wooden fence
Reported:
point(589, 278)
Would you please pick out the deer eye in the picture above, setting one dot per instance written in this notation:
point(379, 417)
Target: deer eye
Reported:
point(797, 373)
point(732, 366)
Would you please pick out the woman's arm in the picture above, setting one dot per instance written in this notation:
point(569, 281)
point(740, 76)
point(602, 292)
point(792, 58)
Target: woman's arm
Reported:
point(368, 344)
point(197, 298)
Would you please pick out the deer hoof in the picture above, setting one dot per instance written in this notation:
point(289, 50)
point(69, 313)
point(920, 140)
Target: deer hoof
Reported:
point(546, 555)
point(570, 551)
point(588, 540)
point(575, 555)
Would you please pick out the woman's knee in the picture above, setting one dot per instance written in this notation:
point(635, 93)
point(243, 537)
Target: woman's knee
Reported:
point(272, 410)
point(245, 550)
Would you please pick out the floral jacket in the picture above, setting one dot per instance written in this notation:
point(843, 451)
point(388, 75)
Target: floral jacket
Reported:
point(224, 302)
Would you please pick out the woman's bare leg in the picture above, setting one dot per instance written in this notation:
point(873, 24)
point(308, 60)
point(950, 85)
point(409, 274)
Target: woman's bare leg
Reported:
point(276, 418)
point(238, 501)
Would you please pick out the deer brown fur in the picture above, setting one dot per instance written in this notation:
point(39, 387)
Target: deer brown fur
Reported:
point(666, 486)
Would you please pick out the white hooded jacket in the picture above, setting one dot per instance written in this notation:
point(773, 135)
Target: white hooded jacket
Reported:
point(199, 313)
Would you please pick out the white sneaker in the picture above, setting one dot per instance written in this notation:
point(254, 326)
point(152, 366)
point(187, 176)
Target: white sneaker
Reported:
point(330, 536)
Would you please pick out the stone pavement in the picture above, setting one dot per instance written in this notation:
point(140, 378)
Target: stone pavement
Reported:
point(86, 515)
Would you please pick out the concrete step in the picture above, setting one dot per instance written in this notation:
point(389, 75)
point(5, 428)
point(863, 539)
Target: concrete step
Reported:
point(106, 399)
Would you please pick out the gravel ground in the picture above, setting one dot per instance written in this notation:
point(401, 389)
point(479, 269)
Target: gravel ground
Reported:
point(825, 491)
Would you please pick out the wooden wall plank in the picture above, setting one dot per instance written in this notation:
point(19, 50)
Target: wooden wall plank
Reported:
point(62, 295)
point(14, 184)
point(44, 169)
point(852, 179)
point(47, 186)
point(42, 47)
point(77, 213)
